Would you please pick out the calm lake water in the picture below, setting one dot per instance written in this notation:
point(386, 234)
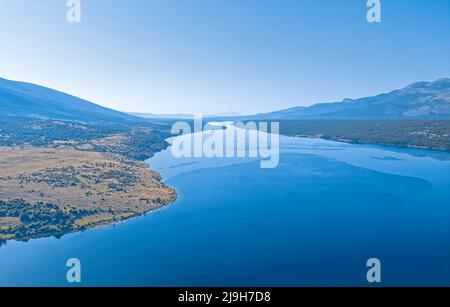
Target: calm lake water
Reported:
point(314, 220)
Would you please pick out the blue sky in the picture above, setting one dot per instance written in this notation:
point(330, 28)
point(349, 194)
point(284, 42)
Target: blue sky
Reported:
point(211, 56)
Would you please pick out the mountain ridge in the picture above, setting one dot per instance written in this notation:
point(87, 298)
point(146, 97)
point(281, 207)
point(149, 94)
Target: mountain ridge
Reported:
point(22, 99)
point(419, 100)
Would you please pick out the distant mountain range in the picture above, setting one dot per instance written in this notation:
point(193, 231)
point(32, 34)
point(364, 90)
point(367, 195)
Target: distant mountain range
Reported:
point(30, 100)
point(421, 100)
point(183, 115)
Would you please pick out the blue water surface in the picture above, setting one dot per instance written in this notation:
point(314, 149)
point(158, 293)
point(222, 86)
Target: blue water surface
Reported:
point(314, 220)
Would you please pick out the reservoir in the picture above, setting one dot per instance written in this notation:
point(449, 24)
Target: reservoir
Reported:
point(314, 220)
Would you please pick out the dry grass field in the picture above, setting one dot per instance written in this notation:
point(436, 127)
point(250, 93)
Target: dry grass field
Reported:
point(108, 186)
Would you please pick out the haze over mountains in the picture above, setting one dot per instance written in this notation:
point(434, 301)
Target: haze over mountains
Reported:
point(183, 115)
point(421, 100)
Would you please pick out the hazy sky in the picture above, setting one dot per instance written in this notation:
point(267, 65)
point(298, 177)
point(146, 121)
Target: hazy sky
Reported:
point(210, 56)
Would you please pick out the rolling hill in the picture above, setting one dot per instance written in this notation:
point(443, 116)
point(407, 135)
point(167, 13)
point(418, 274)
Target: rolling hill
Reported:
point(20, 99)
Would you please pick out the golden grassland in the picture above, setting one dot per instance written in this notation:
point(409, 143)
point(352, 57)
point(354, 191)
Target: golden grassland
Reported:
point(110, 185)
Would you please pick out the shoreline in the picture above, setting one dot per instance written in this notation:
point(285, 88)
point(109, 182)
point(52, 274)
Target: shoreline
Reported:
point(389, 145)
point(100, 224)
point(99, 207)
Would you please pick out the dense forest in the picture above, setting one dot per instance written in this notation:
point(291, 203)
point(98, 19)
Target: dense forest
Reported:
point(40, 219)
point(407, 133)
point(140, 140)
